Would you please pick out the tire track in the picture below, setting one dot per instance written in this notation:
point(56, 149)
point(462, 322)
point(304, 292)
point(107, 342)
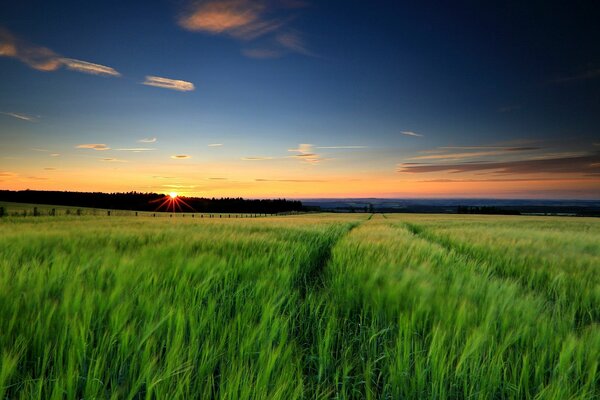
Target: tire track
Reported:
point(583, 317)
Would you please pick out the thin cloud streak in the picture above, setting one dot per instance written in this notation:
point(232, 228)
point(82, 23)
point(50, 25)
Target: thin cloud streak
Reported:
point(148, 140)
point(166, 83)
point(112, 160)
point(89, 68)
point(411, 133)
point(181, 157)
point(215, 145)
point(293, 42)
point(583, 164)
point(306, 154)
point(22, 117)
point(256, 158)
point(44, 59)
point(93, 146)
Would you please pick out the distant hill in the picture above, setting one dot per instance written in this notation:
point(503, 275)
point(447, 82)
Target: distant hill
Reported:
point(465, 206)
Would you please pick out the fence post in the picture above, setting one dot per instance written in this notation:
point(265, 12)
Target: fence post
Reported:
point(136, 213)
point(108, 213)
point(79, 212)
point(53, 212)
point(35, 212)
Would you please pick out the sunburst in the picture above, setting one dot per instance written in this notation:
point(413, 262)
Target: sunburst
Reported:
point(173, 203)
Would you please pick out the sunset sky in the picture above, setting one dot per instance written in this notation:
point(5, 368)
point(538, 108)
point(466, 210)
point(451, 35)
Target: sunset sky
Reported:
point(302, 99)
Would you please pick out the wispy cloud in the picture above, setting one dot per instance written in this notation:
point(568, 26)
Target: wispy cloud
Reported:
point(583, 164)
point(256, 158)
point(215, 145)
point(89, 68)
point(21, 116)
point(306, 154)
point(239, 18)
point(44, 59)
point(166, 83)
point(148, 140)
point(49, 169)
point(532, 179)
point(55, 155)
point(113, 160)
point(136, 149)
point(293, 41)
point(411, 133)
point(93, 146)
point(217, 179)
point(181, 157)
point(247, 20)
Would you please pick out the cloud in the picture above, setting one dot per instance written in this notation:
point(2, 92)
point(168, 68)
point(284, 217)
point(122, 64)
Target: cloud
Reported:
point(136, 149)
point(21, 116)
point(242, 19)
point(306, 154)
point(444, 153)
point(93, 146)
point(166, 83)
point(217, 179)
point(89, 68)
point(256, 158)
point(49, 169)
point(55, 155)
point(246, 20)
point(506, 180)
point(215, 145)
point(293, 42)
point(44, 59)
point(584, 164)
point(181, 157)
point(148, 140)
point(410, 133)
point(112, 160)
point(6, 174)
point(262, 53)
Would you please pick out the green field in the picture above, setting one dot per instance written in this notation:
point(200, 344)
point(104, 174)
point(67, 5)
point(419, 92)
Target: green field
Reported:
point(325, 306)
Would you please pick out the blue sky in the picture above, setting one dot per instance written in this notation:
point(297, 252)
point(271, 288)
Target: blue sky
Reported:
point(302, 99)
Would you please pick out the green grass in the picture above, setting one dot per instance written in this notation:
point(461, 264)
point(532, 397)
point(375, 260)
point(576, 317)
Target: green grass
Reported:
point(324, 306)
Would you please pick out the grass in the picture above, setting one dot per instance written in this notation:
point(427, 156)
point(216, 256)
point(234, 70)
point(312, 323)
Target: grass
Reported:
point(326, 306)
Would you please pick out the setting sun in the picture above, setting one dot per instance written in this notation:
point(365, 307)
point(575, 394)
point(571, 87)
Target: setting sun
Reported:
point(172, 195)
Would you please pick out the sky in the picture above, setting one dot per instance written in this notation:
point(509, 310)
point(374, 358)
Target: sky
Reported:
point(302, 99)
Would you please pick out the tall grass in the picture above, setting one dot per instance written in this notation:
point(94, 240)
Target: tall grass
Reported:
point(299, 307)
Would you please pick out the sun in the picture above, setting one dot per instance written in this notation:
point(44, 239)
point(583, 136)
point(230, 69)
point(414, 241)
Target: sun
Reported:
point(173, 195)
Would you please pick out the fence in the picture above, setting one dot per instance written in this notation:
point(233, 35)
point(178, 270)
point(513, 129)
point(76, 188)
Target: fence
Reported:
point(37, 211)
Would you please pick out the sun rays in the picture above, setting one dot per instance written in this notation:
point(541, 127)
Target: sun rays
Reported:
point(173, 203)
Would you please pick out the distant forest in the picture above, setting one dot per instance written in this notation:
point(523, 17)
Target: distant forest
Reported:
point(149, 202)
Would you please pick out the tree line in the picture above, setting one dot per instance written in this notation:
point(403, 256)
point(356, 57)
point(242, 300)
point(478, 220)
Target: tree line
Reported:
point(138, 201)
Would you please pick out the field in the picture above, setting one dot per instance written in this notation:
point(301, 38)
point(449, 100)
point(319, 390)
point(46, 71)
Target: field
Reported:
point(325, 306)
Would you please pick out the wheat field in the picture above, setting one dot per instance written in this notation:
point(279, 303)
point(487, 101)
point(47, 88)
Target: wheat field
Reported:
point(316, 306)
